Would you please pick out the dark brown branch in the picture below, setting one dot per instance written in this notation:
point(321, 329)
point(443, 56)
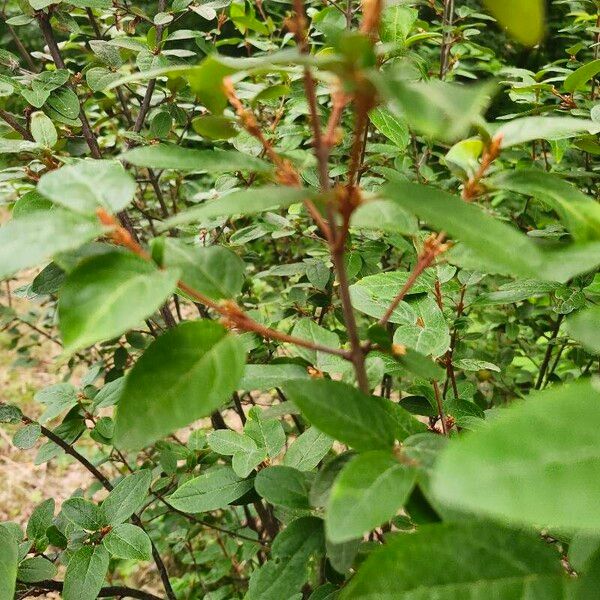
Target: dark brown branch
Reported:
point(548, 354)
point(440, 407)
point(93, 22)
point(447, 21)
point(14, 124)
point(21, 48)
point(160, 565)
point(145, 107)
point(76, 455)
point(46, 29)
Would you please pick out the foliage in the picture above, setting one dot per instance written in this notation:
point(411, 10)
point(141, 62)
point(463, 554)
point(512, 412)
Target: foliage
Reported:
point(324, 278)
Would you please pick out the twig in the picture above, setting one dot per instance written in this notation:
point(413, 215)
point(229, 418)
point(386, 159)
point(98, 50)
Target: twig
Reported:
point(12, 122)
point(548, 353)
point(46, 29)
point(447, 21)
point(145, 106)
point(440, 407)
point(20, 47)
point(233, 315)
point(448, 358)
point(433, 247)
point(160, 565)
point(336, 237)
point(472, 187)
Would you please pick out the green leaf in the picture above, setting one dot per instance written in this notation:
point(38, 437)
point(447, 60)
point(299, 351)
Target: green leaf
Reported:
point(84, 514)
point(527, 129)
point(579, 212)
point(8, 146)
point(245, 202)
point(524, 20)
point(341, 411)
point(35, 569)
point(206, 81)
point(584, 326)
point(85, 573)
point(9, 413)
point(326, 475)
point(396, 23)
point(497, 246)
point(106, 295)
point(161, 124)
point(30, 202)
point(267, 433)
point(9, 556)
point(432, 563)
point(579, 78)
point(427, 333)
point(163, 156)
point(128, 541)
point(373, 295)
point(268, 377)
point(517, 291)
point(227, 442)
point(48, 81)
point(40, 521)
point(383, 215)
point(26, 437)
point(214, 489)
point(31, 239)
point(215, 127)
point(99, 78)
point(283, 486)
point(243, 463)
point(342, 556)
point(538, 463)
point(439, 110)
point(127, 496)
point(284, 575)
point(214, 271)
point(184, 375)
point(470, 364)
point(463, 158)
point(369, 491)
point(405, 424)
point(393, 127)
point(65, 102)
point(58, 398)
point(307, 329)
point(89, 184)
point(308, 450)
point(43, 130)
point(419, 365)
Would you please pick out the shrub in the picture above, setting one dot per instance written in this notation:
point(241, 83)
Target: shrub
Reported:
point(324, 280)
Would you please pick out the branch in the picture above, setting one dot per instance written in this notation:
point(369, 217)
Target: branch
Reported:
point(20, 47)
point(233, 315)
point(12, 122)
point(120, 591)
point(549, 349)
point(447, 21)
point(46, 29)
point(160, 565)
point(434, 246)
point(440, 407)
point(145, 106)
point(336, 238)
point(73, 453)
